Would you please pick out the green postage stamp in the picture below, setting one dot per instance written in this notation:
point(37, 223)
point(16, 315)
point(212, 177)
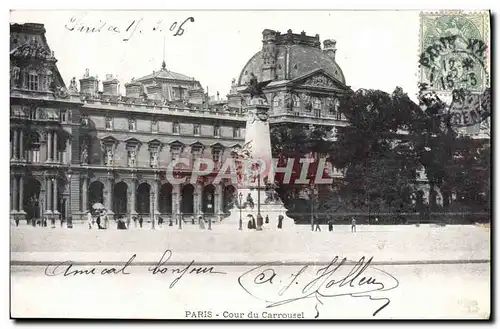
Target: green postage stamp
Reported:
point(455, 50)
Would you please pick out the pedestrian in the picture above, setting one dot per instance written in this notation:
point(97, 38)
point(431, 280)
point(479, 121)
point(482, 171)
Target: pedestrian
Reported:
point(330, 225)
point(140, 221)
point(160, 221)
point(267, 219)
point(249, 226)
point(353, 224)
point(98, 221)
point(376, 220)
point(316, 220)
point(250, 200)
point(280, 222)
point(16, 218)
point(201, 222)
point(134, 218)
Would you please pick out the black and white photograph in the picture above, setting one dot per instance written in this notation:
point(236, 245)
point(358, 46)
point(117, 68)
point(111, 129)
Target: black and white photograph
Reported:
point(250, 164)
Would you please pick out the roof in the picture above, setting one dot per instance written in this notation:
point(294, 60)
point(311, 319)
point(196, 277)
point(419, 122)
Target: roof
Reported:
point(166, 74)
point(292, 62)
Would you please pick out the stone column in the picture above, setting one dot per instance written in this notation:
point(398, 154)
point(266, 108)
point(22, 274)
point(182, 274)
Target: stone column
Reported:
point(176, 200)
point(15, 193)
point(55, 153)
point(14, 154)
point(55, 200)
point(197, 199)
point(109, 199)
point(21, 193)
point(133, 196)
point(85, 193)
point(156, 191)
point(49, 146)
point(218, 201)
point(68, 150)
point(48, 195)
point(21, 145)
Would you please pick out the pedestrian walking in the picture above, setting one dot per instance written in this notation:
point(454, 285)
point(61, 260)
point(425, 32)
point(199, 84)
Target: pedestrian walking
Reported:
point(267, 219)
point(140, 221)
point(353, 224)
point(280, 222)
point(316, 220)
point(16, 219)
point(201, 222)
point(330, 225)
point(160, 221)
point(134, 218)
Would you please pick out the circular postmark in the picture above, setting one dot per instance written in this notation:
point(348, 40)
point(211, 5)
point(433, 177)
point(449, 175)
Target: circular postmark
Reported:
point(454, 55)
point(468, 108)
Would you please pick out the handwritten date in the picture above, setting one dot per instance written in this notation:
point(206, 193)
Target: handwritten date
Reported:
point(127, 31)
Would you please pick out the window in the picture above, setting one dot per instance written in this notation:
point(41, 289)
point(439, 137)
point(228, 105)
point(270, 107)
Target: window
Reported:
point(62, 116)
point(216, 155)
point(175, 127)
point(33, 81)
point(276, 101)
point(132, 125)
point(196, 151)
point(175, 151)
point(33, 113)
point(216, 131)
point(109, 123)
point(35, 149)
point(154, 126)
point(196, 129)
point(340, 116)
point(236, 132)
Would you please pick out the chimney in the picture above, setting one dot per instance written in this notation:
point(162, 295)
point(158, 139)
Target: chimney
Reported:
point(329, 48)
point(110, 86)
point(133, 89)
point(88, 84)
point(196, 96)
point(154, 91)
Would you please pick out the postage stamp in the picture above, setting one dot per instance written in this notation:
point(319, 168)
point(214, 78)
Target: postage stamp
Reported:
point(454, 50)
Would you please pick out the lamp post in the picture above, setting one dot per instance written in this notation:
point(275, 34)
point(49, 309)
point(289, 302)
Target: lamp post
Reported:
point(240, 205)
point(53, 219)
point(153, 210)
point(69, 220)
point(312, 194)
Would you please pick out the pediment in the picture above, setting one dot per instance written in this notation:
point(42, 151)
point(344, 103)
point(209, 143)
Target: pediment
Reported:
point(318, 79)
point(133, 141)
point(109, 140)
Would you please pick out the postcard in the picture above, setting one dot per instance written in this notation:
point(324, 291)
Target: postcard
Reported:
point(250, 165)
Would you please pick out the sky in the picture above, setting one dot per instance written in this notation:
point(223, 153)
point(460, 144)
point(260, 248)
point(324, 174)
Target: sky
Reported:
point(376, 49)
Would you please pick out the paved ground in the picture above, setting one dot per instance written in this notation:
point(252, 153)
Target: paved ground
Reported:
point(385, 243)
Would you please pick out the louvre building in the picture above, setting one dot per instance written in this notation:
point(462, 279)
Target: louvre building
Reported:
point(76, 144)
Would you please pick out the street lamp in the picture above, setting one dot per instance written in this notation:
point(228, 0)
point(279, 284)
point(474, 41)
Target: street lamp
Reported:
point(69, 219)
point(312, 193)
point(153, 211)
point(240, 205)
point(53, 219)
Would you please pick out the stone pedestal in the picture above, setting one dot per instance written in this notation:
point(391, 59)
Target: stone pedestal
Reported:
point(258, 139)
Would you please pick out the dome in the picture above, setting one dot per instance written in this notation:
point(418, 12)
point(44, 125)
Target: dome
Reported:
point(295, 55)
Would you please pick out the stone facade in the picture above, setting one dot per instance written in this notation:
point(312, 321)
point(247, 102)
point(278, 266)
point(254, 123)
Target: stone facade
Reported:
point(76, 146)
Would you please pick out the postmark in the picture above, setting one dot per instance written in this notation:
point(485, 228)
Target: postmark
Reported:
point(454, 51)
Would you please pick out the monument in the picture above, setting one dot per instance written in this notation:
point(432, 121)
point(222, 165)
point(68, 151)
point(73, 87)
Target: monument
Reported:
point(256, 197)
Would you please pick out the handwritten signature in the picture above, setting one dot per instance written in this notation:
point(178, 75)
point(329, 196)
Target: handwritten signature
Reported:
point(70, 269)
point(77, 24)
point(334, 280)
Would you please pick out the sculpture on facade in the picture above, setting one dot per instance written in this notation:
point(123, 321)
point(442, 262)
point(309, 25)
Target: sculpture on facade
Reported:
point(109, 158)
point(87, 73)
point(255, 87)
point(154, 159)
point(131, 159)
point(72, 85)
point(85, 154)
point(16, 73)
